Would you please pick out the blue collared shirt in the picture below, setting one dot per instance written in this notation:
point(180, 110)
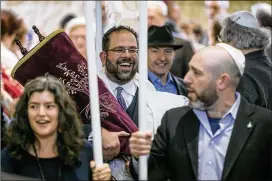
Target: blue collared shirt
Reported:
point(168, 87)
point(212, 148)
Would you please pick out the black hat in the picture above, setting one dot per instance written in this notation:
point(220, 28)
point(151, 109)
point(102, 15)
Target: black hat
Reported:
point(161, 36)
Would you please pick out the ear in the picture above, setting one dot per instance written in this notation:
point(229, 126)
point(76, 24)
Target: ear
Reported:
point(103, 57)
point(223, 81)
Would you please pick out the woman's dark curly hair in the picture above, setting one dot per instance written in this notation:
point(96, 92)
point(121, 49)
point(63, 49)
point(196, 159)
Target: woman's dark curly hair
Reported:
point(19, 135)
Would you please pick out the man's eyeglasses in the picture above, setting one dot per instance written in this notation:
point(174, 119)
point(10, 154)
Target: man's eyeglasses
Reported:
point(121, 50)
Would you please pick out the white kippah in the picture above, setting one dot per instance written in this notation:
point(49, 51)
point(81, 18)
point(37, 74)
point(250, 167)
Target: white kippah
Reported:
point(236, 55)
point(245, 18)
point(74, 22)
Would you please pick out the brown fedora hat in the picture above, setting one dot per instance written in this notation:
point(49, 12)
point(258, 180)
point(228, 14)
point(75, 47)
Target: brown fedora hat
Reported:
point(161, 36)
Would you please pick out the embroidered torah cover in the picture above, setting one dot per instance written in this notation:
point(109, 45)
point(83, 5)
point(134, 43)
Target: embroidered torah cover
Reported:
point(57, 55)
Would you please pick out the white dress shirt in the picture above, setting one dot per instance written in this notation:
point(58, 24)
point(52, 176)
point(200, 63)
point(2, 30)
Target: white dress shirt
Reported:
point(128, 93)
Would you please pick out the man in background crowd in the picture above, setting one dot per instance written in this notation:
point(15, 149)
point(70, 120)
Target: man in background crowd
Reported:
point(216, 9)
point(263, 13)
point(243, 31)
point(161, 53)
point(174, 16)
point(157, 15)
point(76, 30)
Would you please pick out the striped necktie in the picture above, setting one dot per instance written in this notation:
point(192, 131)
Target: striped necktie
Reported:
point(120, 98)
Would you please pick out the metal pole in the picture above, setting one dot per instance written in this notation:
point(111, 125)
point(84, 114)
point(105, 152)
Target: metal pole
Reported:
point(99, 33)
point(93, 85)
point(143, 81)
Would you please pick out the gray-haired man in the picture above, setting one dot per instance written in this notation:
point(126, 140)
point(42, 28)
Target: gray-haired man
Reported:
point(242, 31)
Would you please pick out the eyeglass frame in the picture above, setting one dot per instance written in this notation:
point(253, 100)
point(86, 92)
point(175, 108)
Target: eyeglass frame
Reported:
point(124, 50)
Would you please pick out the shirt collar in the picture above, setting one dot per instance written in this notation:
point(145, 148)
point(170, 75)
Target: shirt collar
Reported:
point(129, 87)
point(232, 111)
point(155, 78)
point(234, 108)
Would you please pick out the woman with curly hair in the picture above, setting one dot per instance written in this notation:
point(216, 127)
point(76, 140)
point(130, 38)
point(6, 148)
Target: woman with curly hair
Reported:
point(46, 139)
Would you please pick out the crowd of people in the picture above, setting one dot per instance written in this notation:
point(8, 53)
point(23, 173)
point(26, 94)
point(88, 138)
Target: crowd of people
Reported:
point(208, 98)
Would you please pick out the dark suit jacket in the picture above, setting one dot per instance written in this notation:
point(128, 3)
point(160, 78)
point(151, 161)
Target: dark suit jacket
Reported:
point(174, 152)
point(182, 58)
point(132, 110)
point(268, 52)
point(256, 82)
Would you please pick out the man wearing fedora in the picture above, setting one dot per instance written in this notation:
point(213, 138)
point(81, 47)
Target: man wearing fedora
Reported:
point(161, 54)
point(242, 30)
point(157, 15)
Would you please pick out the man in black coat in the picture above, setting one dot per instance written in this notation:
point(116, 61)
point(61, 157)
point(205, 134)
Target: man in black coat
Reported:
point(220, 136)
point(161, 53)
point(242, 30)
point(182, 58)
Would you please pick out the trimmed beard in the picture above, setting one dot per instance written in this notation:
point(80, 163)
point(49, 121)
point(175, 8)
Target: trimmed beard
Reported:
point(121, 75)
point(204, 100)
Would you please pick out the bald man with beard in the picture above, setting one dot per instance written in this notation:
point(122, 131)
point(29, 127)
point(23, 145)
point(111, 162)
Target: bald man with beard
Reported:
point(219, 136)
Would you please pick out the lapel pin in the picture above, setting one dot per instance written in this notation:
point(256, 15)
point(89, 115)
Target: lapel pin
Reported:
point(249, 125)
